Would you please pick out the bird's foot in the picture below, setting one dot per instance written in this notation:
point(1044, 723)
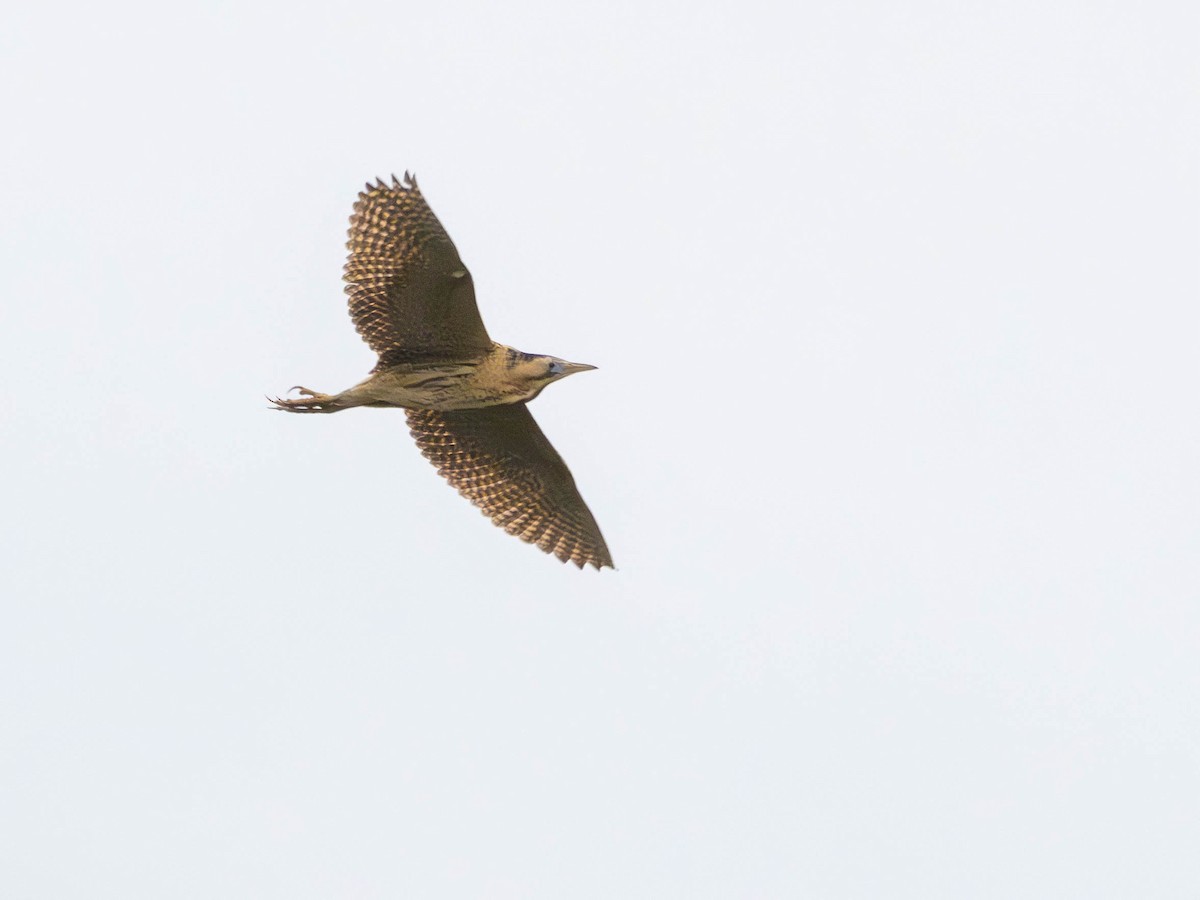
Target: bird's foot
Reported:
point(307, 402)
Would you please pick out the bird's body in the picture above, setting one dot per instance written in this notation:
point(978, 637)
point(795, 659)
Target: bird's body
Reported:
point(413, 302)
point(499, 376)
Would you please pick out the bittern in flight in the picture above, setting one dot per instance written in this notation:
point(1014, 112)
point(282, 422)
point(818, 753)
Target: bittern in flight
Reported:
point(413, 302)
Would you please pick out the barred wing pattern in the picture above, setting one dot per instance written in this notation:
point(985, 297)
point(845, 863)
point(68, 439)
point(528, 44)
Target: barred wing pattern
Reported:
point(498, 458)
point(411, 297)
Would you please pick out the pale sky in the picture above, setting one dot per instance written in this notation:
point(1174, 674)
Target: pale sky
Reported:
point(893, 438)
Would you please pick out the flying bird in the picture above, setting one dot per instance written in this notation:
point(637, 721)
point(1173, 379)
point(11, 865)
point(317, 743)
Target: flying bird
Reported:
point(413, 302)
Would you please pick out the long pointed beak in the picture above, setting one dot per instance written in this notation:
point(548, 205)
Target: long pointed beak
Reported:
point(570, 368)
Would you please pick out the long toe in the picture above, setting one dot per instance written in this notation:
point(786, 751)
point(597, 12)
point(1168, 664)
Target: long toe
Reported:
point(308, 402)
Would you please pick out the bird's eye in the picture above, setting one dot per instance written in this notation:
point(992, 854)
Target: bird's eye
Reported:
point(556, 368)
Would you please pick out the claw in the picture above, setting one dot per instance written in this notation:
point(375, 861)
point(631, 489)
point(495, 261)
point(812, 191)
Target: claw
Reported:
point(308, 401)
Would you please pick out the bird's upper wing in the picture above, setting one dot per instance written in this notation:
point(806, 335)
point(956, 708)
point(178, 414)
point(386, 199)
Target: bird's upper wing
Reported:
point(498, 458)
point(411, 297)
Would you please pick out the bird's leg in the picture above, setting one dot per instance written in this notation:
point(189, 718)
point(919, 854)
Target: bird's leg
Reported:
point(308, 402)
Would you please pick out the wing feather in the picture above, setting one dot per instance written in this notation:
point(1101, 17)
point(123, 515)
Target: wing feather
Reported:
point(500, 460)
point(411, 297)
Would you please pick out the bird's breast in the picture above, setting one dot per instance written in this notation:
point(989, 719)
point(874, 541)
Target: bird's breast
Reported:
point(468, 385)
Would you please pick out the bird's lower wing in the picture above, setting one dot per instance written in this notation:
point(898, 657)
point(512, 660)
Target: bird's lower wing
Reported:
point(498, 458)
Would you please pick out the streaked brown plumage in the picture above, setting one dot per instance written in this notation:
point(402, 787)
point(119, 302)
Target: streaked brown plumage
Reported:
point(498, 458)
point(411, 297)
point(413, 302)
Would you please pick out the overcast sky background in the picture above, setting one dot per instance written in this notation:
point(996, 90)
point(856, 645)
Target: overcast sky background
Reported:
point(894, 440)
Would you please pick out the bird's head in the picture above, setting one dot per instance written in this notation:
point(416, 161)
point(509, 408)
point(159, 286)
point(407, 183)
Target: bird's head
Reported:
point(534, 372)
